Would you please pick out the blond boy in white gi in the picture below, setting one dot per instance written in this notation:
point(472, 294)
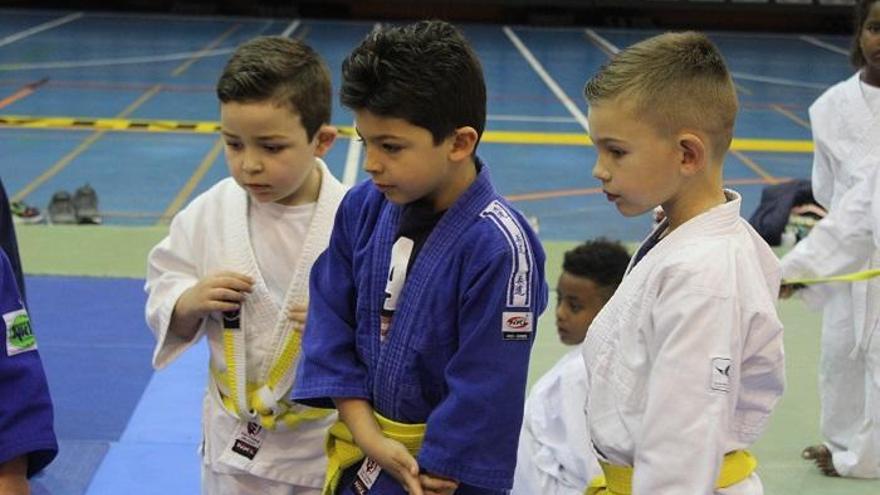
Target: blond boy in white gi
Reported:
point(685, 362)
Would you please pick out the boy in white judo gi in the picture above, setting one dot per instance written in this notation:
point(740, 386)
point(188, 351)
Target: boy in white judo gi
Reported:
point(685, 362)
point(235, 265)
point(425, 303)
point(846, 126)
point(555, 456)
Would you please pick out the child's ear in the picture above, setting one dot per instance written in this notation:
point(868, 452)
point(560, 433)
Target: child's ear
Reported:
point(693, 153)
point(464, 142)
point(325, 137)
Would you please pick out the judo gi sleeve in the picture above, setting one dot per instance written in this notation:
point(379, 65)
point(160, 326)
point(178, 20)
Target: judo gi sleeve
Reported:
point(330, 364)
point(171, 270)
point(25, 406)
point(693, 380)
point(843, 241)
point(472, 435)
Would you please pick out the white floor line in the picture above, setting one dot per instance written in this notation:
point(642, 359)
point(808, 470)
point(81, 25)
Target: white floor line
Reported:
point(601, 41)
point(114, 61)
point(548, 80)
point(828, 46)
point(39, 28)
point(352, 161)
point(290, 28)
point(598, 39)
point(778, 80)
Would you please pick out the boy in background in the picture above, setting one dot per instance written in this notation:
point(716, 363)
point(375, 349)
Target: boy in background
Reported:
point(555, 456)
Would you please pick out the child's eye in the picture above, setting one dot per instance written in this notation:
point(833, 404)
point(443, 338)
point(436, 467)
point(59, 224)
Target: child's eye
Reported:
point(873, 28)
point(391, 148)
point(273, 148)
point(616, 152)
point(233, 145)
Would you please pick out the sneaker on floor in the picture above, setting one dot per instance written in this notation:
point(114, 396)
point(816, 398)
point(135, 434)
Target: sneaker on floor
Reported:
point(24, 213)
point(85, 200)
point(61, 208)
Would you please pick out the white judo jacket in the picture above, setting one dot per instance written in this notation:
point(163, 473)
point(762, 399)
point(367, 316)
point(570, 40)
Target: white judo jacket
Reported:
point(685, 362)
point(210, 235)
point(555, 456)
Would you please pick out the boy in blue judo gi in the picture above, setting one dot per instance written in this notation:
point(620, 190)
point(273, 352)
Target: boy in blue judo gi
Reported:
point(27, 439)
point(423, 308)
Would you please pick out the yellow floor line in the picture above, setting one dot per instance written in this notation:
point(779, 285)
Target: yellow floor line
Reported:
point(83, 146)
point(209, 127)
point(191, 184)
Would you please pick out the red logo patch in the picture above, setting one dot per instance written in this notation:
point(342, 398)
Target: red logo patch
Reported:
point(517, 322)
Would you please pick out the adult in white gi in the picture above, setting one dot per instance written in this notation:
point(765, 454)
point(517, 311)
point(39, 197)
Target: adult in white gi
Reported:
point(210, 235)
point(846, 125)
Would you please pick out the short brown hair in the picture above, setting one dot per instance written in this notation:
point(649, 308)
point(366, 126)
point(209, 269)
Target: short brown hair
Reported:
point(677, 81)
point(281, 69)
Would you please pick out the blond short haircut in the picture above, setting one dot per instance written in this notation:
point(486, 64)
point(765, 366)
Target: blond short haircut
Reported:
point(677, 81)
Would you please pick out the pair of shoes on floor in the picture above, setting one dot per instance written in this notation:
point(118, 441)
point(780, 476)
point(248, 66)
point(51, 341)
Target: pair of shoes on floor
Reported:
point(23, 213)
point(80, 208)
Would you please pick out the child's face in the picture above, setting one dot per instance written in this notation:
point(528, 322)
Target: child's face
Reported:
point(637, 166)
point(578, 301)
point(403, 160)
point(267, 150)
point(869, 39)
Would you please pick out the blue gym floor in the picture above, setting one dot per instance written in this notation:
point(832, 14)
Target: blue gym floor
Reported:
point(124, 428)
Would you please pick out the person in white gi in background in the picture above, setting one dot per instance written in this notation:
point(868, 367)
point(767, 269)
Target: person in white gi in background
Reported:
point(246, 247)
point(685, 362)
point(846, 125)
point(554, 455)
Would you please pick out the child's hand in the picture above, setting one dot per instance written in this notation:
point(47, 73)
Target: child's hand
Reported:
point(297, 314)
point(433, 484)
point(393, 457)
point(788, 290)
point(223, 291)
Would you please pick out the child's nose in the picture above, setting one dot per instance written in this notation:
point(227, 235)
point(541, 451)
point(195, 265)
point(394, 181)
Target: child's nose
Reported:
point(372, 163)
point(600, 172)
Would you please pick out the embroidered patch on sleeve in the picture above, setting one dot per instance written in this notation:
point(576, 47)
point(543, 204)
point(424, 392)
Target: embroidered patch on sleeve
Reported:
point(721, 369)
point(516, 325)
point(19, 335)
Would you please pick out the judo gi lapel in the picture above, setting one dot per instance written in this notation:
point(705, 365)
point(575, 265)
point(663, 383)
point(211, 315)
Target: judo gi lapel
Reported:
point(864, 125)
point(258, 310)
point(422, 277)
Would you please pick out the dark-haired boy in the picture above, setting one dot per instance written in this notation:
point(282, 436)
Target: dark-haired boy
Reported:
point(555, 456)
point(424, 306)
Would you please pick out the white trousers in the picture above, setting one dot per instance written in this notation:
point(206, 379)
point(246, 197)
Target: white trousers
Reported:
point(849, 391)
point(214, 483)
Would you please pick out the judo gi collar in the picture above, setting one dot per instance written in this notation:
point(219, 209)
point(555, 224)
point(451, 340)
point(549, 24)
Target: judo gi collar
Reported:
point(389, 358)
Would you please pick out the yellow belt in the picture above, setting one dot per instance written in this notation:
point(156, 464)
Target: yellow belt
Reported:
point(847, 277)
point(343, 453)
point(617, 480)
point(281, 416)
